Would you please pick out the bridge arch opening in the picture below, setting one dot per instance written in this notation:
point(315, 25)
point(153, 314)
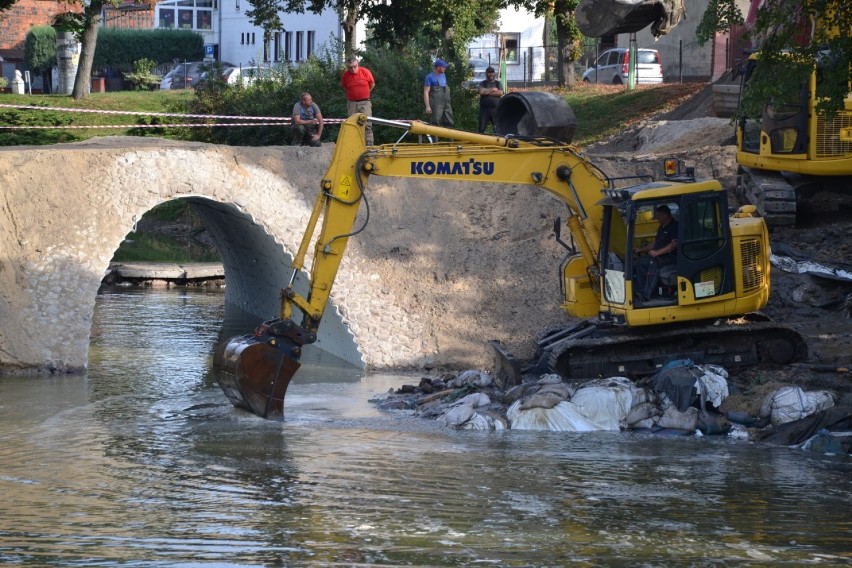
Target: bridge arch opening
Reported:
point(256, 268)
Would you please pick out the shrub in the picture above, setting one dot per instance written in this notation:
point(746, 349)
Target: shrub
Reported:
point(40, 53)
point(142, 78)
point(398, 95)
point(120, 48)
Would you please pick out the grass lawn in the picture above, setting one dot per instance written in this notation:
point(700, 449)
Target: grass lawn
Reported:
point(601, 110)
point(136, 101)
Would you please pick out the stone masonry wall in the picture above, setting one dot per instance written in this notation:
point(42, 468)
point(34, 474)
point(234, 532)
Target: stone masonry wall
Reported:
point(436, 271)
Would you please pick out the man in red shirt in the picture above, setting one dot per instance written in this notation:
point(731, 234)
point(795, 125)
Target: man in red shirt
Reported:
point(357, 81)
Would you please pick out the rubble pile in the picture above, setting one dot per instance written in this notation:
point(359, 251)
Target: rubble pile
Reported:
point(682, 398)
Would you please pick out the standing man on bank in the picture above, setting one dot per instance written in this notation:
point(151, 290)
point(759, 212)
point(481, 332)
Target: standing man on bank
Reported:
point(489, 96)
point(358, 82)
point(436, 96)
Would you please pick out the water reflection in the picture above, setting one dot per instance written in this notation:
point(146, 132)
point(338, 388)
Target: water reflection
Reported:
point(144, 462)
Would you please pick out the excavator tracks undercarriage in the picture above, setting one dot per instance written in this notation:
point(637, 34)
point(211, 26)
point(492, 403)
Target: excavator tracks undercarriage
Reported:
point(770, 192)
point(587, 350)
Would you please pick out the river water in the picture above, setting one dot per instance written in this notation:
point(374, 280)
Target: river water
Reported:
point(143, 462)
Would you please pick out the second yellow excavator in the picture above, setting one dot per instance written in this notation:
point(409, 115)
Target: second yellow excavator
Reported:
point(634, 315)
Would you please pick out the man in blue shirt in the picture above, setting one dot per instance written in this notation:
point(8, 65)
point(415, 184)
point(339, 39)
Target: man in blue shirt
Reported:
point(436, 96)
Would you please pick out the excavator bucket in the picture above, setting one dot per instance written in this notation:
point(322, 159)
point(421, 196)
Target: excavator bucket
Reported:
point(254, 371)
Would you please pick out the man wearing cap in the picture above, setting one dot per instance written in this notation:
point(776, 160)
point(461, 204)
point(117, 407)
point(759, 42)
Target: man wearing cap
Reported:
point(489, 95)
point(358, 82)
point(436, 96)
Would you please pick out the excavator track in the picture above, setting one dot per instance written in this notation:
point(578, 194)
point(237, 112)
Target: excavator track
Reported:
point(770, 192)
point(594, 351)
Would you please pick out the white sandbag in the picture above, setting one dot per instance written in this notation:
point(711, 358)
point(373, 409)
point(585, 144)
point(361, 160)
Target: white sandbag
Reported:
point(641, 412)
point(474, 399)
point(563, 417)
point(456, 416)
point(561, 389)
point(641, 395)
point(549, 379)
point(606, 406)
point(646, 424)
point(671, 418)
point(713, 384)
point(788, 404)
point(471, 378)
point(478, 422)
point(544, 401)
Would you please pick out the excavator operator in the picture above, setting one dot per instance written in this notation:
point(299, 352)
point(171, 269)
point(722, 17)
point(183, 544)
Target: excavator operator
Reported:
point(660, 253)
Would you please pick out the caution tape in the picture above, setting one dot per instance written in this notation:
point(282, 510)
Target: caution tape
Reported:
point(136, 113)
point(262, 120)
point(124, 126)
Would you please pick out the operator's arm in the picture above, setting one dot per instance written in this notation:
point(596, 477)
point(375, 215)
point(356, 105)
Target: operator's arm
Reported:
point(663, 250)
point(320, 124)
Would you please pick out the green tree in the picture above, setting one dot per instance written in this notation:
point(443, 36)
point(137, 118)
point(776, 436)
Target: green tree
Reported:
point(569, 39)
point(40, 53)
point(447, 26)
point(265, 14)
point(86, 25)
point(6, 4)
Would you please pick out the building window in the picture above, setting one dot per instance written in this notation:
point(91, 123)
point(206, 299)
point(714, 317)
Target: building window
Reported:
point(310, 46)
point(276, 50)
point(513, 47)
point(299, 36)
point(167, 18)
point(185, 19)
point(204, 19)
point(242, 39)
point(252, 38)
point(288, 46)
point(191, 14)
point(266, 51)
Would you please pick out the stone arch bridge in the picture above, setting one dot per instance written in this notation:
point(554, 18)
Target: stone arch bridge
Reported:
point(438, 270)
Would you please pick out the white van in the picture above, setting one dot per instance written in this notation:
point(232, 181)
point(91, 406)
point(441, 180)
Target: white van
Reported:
point(612, 67)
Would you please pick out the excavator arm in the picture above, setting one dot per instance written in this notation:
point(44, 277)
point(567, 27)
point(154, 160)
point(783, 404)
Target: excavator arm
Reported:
point(255, 370)
point(556, 167)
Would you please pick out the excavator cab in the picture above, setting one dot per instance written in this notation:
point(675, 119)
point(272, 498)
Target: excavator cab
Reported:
point(697, 264)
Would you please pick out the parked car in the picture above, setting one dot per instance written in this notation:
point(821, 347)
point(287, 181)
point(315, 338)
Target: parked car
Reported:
point(188, 75)
point(613, 66)
point(479, 65)
point(166, 82)
point(246, 75)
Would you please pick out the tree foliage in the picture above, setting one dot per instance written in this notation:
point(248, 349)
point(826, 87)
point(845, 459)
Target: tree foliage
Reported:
point(6, 4)
point(719, 17)
point(40, 52)
point(569, 39)
point(85, 26)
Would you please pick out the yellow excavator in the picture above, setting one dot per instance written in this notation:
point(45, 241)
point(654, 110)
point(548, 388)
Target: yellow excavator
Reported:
point(695, 307)
point(794, 150)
